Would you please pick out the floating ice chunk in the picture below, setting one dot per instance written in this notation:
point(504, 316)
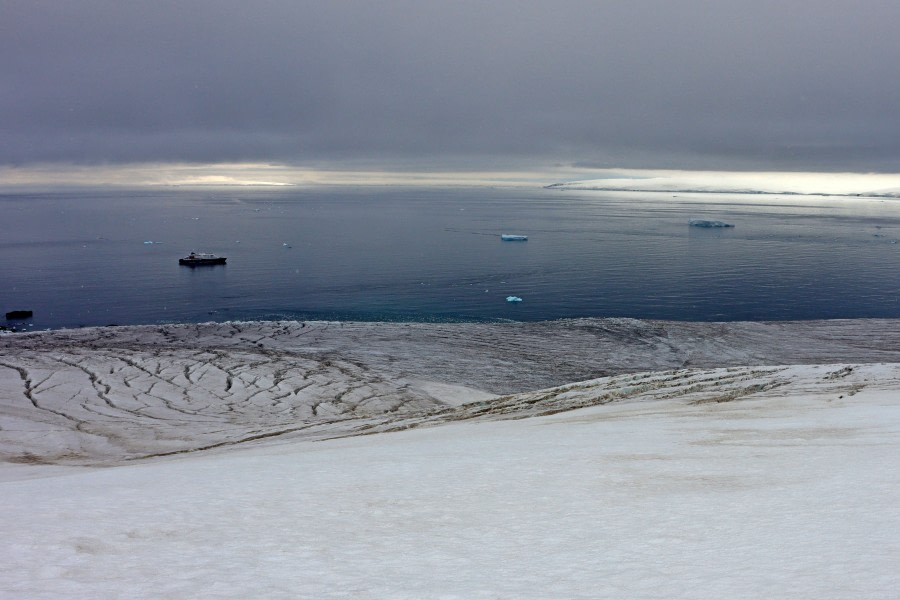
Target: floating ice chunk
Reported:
point(510, 237)
point(705, 223)
point(513, 299)
point(152, 242)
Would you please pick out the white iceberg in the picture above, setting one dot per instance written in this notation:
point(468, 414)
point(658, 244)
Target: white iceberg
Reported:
point(513, 299)
point(510, 237)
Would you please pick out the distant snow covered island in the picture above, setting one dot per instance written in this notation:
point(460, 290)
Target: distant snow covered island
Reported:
point(578, 459)
point(870, 185)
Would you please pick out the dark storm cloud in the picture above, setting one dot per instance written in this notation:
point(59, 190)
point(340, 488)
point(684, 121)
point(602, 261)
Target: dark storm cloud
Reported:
point(658, 83)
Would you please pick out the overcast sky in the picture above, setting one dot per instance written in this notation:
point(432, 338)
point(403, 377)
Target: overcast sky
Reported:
point(784, 85)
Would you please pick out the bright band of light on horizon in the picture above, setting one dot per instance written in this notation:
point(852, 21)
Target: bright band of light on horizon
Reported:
point(271, 175)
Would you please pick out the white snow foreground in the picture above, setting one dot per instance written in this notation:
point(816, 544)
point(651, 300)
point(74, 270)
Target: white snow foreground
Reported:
point(739, 482)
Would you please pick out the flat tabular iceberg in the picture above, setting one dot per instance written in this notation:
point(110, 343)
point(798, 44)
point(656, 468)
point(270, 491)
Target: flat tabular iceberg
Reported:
point(509, 237)
point(513, 299)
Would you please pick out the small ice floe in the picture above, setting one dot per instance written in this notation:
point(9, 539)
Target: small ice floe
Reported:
point(152, 242)
point(513, 299)
point(286, 245)
point(705, 223)
point(512, 237)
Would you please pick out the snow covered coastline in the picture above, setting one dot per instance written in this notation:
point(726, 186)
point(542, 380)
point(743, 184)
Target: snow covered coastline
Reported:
point(103, 395)
point(656, 460)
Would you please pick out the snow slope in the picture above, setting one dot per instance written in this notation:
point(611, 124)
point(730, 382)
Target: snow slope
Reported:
point(104, 395)
point(789, 494)
point(737, 481)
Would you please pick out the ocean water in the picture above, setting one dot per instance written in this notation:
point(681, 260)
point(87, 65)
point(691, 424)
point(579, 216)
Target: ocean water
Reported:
point(435, 254)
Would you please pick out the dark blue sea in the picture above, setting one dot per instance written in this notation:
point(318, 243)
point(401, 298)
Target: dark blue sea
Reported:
point(435, 254)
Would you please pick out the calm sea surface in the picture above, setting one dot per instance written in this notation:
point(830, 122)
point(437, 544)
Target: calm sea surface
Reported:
point(436, 255)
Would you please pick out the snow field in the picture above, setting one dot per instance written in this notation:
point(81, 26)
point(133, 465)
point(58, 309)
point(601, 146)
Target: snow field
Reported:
point(791, 493)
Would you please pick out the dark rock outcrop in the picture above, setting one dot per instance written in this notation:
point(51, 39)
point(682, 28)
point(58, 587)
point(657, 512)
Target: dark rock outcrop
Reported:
point(19, 314)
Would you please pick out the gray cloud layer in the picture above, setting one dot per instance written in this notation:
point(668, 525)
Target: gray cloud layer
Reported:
point(728, 84)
